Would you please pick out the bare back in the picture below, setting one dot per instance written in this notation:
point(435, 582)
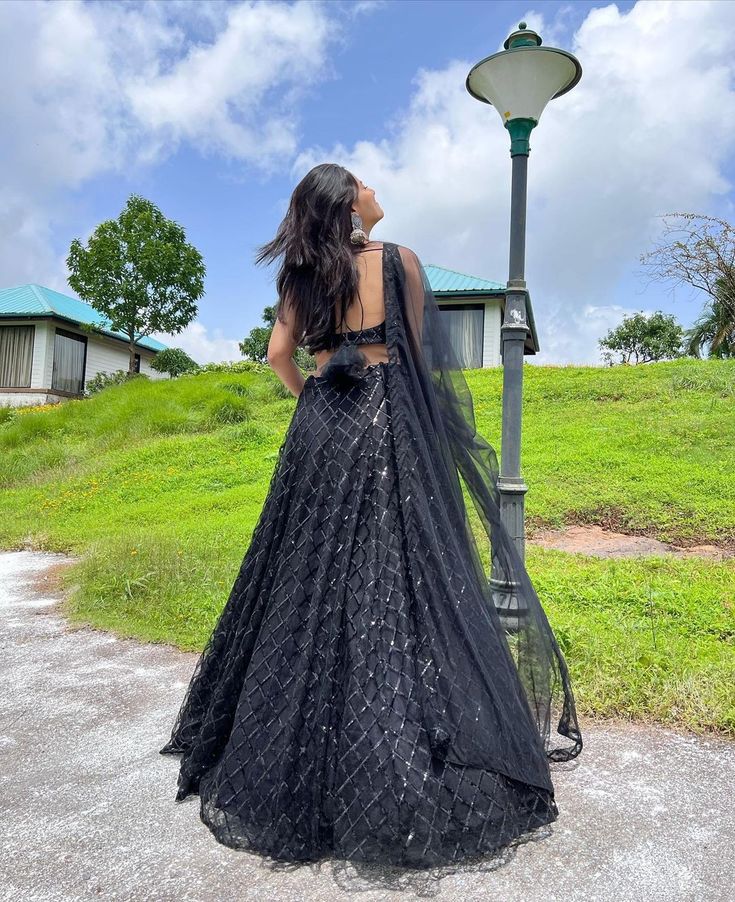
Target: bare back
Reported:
point(369, 262)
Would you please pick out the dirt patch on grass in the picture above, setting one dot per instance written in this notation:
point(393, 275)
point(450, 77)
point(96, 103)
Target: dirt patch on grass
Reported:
point(599, 542)
point(50, 581)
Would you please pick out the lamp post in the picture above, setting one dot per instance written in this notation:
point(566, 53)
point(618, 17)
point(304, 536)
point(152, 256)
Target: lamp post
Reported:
point(518, 81)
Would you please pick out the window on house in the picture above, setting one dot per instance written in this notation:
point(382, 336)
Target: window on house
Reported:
point(69, 356)
point(136, 363)
point(16, 356)
point(465, 324)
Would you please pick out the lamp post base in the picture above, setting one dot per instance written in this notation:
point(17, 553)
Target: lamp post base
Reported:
point(512, 490)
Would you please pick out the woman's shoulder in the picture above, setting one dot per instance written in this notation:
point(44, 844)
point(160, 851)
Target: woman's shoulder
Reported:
point(396, 244)
point(408, 256)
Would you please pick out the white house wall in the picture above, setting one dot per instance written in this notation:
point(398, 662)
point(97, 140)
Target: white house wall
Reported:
point(39, 348)
point(491, 337)
point(48, 352)
point(39, 352)
point(145, 366)
point(105, 355)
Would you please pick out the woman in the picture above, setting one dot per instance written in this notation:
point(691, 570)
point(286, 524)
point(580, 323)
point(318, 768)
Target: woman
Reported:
point(368, 694)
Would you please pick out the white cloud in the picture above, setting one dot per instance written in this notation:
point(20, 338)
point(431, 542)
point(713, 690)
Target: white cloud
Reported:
point(202, 346)
point(214, 95)
point(590, 323)
point(358, 7)
point(94, 88)
point(649, 129)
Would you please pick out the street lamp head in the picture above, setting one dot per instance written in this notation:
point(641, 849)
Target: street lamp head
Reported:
point(520, 80)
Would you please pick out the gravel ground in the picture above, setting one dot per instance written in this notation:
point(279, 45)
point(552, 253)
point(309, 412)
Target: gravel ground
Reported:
point(645, 813)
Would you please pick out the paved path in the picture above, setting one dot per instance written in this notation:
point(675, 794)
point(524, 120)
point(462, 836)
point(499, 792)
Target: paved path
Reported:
point(88, 810)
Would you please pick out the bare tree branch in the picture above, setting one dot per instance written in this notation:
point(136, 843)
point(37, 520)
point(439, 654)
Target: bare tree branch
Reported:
point(697, 250)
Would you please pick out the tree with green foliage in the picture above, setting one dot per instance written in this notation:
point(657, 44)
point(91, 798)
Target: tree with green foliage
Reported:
point(139, 272)
point(642, 339)
point(255, 345)
point(715, 327)
point(173, 361)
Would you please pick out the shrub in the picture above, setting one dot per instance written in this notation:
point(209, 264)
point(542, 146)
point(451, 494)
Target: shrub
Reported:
point(173, 361)
point(234, 366)
point(102, 380)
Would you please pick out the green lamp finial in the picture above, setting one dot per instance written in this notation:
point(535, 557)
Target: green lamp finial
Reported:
point(523, 37)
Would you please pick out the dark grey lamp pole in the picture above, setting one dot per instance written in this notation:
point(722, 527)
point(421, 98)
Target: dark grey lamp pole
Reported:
point(518, 81)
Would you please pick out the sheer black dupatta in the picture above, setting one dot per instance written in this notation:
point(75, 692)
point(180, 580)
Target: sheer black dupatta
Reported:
point(418, 340)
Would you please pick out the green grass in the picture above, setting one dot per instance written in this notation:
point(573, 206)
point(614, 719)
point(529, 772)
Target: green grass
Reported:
point(648, 450)
point(158, 486)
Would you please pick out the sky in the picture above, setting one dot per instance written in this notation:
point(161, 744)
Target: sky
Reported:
point(214, 111)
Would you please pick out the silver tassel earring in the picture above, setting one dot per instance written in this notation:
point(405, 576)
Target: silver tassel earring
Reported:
point(358, 235)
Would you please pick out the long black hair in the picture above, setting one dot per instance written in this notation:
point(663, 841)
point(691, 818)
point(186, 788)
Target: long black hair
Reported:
point(317, 273)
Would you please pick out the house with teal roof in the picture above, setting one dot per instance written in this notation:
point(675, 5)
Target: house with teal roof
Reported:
point(473, 310)
point(46, 355)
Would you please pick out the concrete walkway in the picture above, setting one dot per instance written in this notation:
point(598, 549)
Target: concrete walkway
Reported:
point(89, 813)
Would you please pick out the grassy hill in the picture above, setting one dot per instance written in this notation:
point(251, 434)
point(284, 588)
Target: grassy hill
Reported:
point(158, 485)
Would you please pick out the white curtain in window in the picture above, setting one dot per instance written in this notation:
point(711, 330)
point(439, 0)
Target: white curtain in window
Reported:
point(68, 372)
point(16, 356)
point(465, 333)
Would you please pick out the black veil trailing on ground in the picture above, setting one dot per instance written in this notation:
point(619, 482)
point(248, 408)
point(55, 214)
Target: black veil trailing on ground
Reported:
point(445, 411)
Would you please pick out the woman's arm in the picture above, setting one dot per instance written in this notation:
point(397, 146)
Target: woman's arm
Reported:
point(281, 348)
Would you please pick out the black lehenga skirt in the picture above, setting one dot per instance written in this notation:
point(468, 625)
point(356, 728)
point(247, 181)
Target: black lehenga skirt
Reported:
point(312, 727)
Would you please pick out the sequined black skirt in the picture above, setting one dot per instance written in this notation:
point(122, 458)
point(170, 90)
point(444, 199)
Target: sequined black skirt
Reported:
point(312, 726)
